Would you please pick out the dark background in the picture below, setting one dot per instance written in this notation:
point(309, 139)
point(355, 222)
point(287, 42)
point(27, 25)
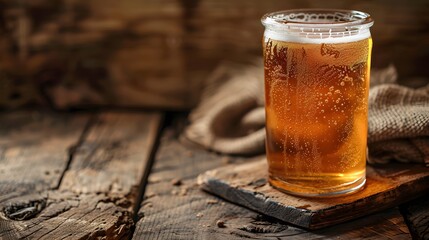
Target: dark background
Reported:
point(155, 53)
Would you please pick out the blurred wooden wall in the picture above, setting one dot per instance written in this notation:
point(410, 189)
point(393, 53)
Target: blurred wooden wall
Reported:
point(155, 53)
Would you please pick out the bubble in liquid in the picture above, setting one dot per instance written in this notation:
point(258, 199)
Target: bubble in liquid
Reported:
point(349, 79)
point(337, 91)
point(342, 84)
point(331, 88)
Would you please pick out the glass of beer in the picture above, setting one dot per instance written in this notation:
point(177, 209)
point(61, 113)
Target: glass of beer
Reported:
point(317, 69)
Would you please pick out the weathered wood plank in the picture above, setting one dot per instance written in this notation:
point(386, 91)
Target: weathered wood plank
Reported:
point(69, 216)
point(174, 209)
point(416, 214)
point(34, 149)
point(97, 203)
point(247, 185)
point(113, 156)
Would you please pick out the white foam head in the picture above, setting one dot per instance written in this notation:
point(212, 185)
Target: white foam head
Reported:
point(315, 38)
point(317, 26)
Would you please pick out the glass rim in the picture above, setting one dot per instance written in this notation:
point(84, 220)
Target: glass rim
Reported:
point(282, 19)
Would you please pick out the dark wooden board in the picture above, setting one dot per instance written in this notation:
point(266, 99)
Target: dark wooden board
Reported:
point(93, 53)
point(416, 214)
point(101, 161)
point(182, 211)
point(157, 53)
point(246, 184)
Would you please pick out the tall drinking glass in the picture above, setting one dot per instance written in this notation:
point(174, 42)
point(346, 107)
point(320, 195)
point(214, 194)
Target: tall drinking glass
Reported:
point(317, 69)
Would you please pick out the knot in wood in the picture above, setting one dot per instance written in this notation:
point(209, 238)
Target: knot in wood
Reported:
point(24, 210)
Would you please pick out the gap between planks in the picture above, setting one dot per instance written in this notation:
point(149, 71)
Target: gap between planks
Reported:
point(145, 176)
point(73, 148)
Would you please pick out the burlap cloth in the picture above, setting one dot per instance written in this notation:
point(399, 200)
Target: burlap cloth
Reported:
point(231, 119)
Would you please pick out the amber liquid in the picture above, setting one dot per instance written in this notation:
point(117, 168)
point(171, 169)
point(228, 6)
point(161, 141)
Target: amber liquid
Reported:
point(316, 115)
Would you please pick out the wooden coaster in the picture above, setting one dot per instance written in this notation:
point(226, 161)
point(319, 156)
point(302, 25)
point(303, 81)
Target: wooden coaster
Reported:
point(246, 185)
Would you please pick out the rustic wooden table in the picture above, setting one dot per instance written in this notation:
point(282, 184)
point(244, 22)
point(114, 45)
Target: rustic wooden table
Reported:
point(125, 174)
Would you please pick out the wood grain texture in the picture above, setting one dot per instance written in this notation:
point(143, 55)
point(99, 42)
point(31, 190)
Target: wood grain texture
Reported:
point(69, 216)
point(114, 153)
point(92, 53)
point(111, 153)
point(247, 185)
point(416, 214)
point(34, 149)
point(157, 53)
point(175, 209)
